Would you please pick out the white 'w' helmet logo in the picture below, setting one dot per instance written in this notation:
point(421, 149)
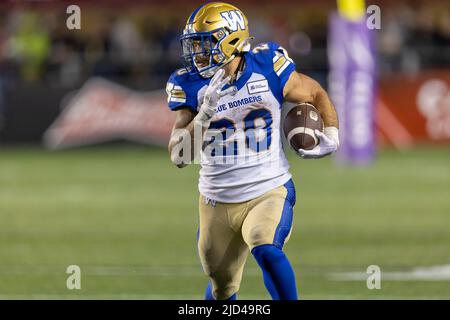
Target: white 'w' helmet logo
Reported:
point(234, 19)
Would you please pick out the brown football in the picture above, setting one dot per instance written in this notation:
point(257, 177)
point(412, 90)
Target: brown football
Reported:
point(299, 126)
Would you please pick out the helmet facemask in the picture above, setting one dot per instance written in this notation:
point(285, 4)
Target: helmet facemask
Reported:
point(201, 51)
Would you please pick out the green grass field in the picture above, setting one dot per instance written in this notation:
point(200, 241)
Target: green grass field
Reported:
point(128, 218)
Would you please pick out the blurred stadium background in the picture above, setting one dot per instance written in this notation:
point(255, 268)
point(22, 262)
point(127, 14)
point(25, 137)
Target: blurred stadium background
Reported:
point(93, 186)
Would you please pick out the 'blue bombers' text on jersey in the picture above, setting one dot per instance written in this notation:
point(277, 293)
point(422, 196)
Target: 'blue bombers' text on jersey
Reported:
point(245, 132)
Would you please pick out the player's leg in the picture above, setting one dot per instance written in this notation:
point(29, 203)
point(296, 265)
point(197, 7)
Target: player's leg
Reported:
point(265, 229)
point(279, 277)
point(222, 250)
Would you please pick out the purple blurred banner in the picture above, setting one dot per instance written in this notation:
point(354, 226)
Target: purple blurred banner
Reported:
point(351, 54)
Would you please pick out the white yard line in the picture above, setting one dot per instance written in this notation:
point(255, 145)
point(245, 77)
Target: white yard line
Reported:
point(432, 273)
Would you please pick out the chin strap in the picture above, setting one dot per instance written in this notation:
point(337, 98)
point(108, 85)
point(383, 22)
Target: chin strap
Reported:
point(239, 70)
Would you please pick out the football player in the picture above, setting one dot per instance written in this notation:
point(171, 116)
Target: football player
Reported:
point(229, 88)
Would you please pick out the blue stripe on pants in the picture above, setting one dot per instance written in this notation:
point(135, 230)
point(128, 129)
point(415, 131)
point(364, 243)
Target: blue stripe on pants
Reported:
point(285, 224)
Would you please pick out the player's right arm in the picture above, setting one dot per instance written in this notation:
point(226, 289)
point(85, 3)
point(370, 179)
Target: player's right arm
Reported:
point(188, 131)
point(182, 133)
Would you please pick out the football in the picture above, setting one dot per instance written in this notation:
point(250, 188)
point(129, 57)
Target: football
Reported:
point(299, 125)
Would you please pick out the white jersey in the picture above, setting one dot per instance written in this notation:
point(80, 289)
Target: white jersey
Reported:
point(242, 157)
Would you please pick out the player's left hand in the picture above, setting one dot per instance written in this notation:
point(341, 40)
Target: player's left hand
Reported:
point(328, 143)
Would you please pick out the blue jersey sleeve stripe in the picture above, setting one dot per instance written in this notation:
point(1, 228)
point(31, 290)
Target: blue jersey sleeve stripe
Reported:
point(180, 105)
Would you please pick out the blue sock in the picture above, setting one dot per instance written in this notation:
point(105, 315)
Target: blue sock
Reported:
point(278, 275)
point(209, 295)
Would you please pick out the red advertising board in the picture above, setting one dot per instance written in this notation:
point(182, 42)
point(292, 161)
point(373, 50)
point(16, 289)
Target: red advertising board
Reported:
point(102, 110)
point(414, 110)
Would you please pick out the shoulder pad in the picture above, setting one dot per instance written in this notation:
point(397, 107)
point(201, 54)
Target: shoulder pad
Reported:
point(272, 60)
point(270, 53)
point(182, 90)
